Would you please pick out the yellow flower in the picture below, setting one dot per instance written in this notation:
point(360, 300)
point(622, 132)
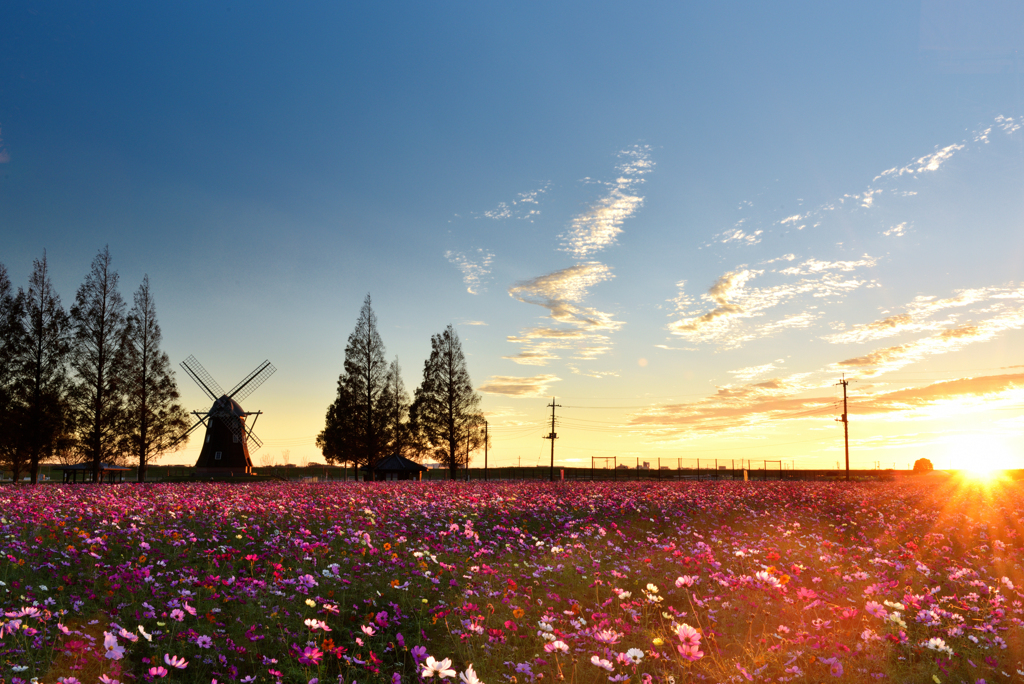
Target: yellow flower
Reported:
point(937, 680)
point(658, 641)
point(311, 603)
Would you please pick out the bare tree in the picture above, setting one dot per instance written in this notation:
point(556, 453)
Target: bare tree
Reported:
point(266, 460)
point(446, 411)
point(154, 420)
point(286, 456)
point(40, 383)
point(97, 359)
point(355, 425)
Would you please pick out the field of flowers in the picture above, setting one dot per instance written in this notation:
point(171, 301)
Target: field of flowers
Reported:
point(511, 582)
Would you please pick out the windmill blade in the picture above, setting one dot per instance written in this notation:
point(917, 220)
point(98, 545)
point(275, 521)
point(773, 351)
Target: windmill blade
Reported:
point(202, 378)
point(249, 384)
point(253, 439)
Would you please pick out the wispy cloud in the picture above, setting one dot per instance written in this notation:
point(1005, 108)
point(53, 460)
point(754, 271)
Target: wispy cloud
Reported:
point(742, 408)
point(919, 314)
point(475, 267)
point(736, 408)
point(511, 386)
point(735, 303)
point(597, 228)
point(1001, 309)
point(526, 206)
point(899, 230)
point(562, 293)
point(895, 182)
point(591, 373)
point(752, 372)
point(739, 236)
point(929, 162)
point(814, 266)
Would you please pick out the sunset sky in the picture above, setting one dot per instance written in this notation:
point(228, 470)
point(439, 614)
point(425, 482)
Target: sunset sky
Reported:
point(686, 222)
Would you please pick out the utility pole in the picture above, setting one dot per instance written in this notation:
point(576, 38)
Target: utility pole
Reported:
point(485, 451)
point(553, 436)
point(846, 427)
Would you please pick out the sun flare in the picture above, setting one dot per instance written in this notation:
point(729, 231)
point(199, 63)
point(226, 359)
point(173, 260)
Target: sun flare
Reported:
point(981, 456)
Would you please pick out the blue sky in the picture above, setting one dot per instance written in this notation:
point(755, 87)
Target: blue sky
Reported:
point(699, 217)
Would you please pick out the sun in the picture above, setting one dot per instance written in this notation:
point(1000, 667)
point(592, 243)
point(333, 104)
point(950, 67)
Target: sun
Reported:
point(981, 456)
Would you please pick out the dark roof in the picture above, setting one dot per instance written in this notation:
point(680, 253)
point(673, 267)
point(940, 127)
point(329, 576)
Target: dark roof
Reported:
point(227, 405)
point(396, 462)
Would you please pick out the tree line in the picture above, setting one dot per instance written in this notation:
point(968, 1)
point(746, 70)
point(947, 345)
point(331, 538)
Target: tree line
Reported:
point(373, 416)
point(89, 384)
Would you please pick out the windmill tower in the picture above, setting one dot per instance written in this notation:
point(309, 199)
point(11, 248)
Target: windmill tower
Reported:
point(226, 446)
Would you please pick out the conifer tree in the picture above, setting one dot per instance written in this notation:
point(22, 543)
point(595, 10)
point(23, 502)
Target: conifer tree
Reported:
point(355, 426)
point(445, 413)
point(97, 359)
point(154, 420)
point(395, 403)
point(13, 454)
point(41, 370)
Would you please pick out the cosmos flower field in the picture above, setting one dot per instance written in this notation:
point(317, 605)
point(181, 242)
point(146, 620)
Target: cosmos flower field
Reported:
point(511, 582)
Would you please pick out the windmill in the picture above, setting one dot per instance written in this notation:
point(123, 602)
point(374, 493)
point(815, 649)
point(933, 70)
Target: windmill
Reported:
point(226, 447)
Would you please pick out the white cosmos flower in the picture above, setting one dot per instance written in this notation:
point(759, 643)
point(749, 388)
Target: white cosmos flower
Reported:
point(469, 676)
point(442, 669)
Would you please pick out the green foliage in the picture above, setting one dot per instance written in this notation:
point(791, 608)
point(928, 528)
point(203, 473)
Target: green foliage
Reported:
point(98, 361)
point(445, 413)
point(154, 420)
point(355, 429)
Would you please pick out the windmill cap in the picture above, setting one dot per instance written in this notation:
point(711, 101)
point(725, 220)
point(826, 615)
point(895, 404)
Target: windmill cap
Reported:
point(229, 405)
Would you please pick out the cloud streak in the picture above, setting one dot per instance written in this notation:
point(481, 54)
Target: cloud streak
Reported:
point(584, 329)
point(739, 409)
point(735, 302)
point(597, 228)
point(475, 267)
point(526, 206)
point(513, 386)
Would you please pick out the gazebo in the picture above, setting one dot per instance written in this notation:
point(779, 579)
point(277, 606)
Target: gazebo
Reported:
point(395, 467)
point(110, 473)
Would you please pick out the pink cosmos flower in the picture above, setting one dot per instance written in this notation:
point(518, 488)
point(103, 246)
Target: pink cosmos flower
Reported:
point(556, 645)
point(685, 581)
point(607, 636)
point(158, 671)
point(311, 656)
point(690, 648)
point(877, 609)
point(175, 661)
point(602, 663)
point(315, 624)
point(114, 650)
point(836, 667)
